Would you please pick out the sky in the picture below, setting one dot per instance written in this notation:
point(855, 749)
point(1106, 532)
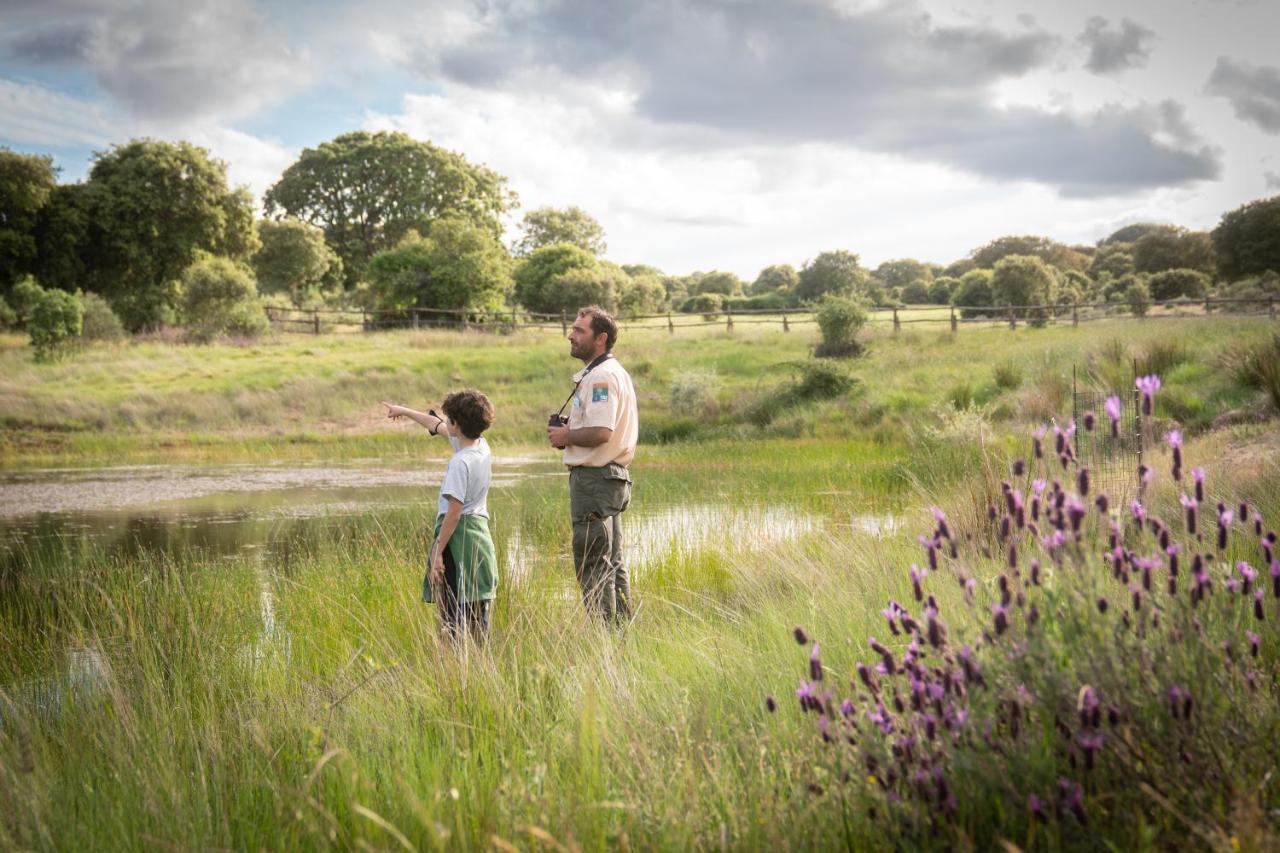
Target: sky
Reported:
point(702, 135)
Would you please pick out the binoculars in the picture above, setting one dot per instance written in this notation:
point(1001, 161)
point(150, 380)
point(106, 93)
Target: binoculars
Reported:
point(557, 420)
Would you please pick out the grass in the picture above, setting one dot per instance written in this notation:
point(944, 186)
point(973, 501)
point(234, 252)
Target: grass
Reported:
point(305, 701)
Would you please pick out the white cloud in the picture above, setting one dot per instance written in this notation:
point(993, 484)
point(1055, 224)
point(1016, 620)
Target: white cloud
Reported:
point(35, 115)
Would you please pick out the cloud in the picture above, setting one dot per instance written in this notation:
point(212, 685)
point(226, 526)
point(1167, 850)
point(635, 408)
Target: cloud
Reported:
point(208, 58)
point(1254, 91)
point(35, 115)
point(1272, 180)
point(884, 78)
point(1110, 50)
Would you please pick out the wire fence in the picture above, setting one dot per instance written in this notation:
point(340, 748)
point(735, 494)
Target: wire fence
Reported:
point(336, 321)
point(1112, 458)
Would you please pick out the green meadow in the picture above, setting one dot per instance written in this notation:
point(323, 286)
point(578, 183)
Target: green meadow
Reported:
point(306, 702)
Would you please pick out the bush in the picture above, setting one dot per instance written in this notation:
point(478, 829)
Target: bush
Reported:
point(1138, 297)
point(775, 301)
point(915, 293)
point(941, 289)
point(54, 323)
point(974, 294)
point(8, 317)
point(1178, 284)
point(23, 298)
point(1065, 692)
point(220, 297)
point(839, 318)
point(708, 305)
point(691, 393)
point(1022, 280)
point(815, 379)
point(1258, 367)
point(1007, 375)
point(100, 322)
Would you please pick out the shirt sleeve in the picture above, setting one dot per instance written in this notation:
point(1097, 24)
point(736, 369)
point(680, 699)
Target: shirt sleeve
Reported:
point(601, 401)
point(455, 480)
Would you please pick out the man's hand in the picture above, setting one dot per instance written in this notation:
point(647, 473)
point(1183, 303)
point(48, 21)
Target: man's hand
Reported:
point(558, 436)
point(437, 567)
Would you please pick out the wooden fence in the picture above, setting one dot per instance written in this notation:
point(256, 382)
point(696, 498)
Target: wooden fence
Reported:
point(331, 321)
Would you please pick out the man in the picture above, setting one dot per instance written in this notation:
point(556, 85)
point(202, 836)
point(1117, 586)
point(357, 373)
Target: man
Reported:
point(599, 442)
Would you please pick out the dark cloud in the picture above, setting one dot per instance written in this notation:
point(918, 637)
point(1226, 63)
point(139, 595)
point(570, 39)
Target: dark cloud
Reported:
point(160, 59)
point(1112, 50)
point(887, 79)
point(1254, 91)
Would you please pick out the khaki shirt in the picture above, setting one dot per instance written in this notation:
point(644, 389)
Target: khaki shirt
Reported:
point(605, 398)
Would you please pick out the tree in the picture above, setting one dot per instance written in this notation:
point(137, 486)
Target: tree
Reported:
point(294, 259)
point(535, 273)
point(1169, 247)
point(941, 289)
point(54, 323)
point(778, 278)
point(1020, 280)
point(63, 251)
point(26, 183)
point(1138, 297)
point(1247, 240)
point(219, 297)
point(1114, 259)
point(1050, 251)
point(724, 283)
point(154, 207)
point(1178, 284)
point(837, 272)
point(100, 322)
point(974, 292)
point(644, 293)
point(1130, 233)
point(915, 293)
point(367, 190)
point(459, 265)
point(903, 272)
point(547, 226)
point(601, 284)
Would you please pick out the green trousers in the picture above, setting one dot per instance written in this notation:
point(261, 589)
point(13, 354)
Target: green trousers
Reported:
point(597, 499)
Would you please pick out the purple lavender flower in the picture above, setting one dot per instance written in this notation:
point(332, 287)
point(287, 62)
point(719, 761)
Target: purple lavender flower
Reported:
point(846, 708)
point(917, 575)
point(815, 664)
point(1090, 744)
point(1191, 505)
point(1102, 504)
point(1102, 604)
point(1036, 438)
point(1174, 439)
point(1254, 641)
point(1035, 572)
point(1071, 798)
point(1019, 467)
point(801, 637)
point(1172, 552)
point(1082, 480)
point(930, 551)
point(868, 679)
point(771, 704)
point(1259, 612)
point(1036, 808)
point(970, 584)
point(941, 518)
point(1001, 620)
point(1113, 412)
point(1076, 513)
point(1197, 474)
point(1248, 573)
point(936, 631)
point(1244, 512)
point(1148, 386)
point(1224, 521)
point(1275, 578)
point(1088, 421)
point(1139, 512)
point(889, 613)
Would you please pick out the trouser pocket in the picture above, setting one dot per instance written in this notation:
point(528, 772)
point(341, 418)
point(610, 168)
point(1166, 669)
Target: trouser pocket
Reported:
point(598, 492)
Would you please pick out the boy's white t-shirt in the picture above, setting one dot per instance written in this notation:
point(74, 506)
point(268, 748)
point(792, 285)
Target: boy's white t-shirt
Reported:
point(467, 478)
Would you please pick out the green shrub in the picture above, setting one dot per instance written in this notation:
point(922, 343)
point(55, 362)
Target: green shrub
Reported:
point(1138, 297)
point(1161, 357)
point(941, 288)
point(23, 298)
point(708, 305)
point(1178, 284)
point(8, 317)
point(775, 301)
point(100, 322)
point(691, 393)
point(974, 294)
point(1022, 280)
point(54, 323)
point(1258, 367)
point(815, 379)
point(220, 297)
point(961, 396)
point(1007, 375)
point(840, 318)
point(915, 293)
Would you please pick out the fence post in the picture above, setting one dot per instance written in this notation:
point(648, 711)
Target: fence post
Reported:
point(564, 323)
point(954, 325)
point(1206, 305)
point(1271, 307)
point(1075, 314)
point(728, 320)
point(466, 320)
point(364, 320)
point(1013, 319)
point(671, 327)
point(897, 326)
point(786, 327)
point(315, 320)
point(416, 321)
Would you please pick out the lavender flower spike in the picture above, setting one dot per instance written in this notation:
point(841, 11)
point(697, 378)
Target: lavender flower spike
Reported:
point(1113, 411)
point(1148, 386)
point(1197, 474)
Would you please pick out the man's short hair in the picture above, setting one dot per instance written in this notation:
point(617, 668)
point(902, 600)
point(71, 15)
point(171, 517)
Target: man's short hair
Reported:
point(469, 410)
point(602, 323)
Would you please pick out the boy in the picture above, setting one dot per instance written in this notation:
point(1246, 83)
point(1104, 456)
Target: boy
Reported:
point(463, 573)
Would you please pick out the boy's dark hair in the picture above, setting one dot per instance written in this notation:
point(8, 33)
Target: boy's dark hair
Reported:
point(602, 323)
point(469, 410)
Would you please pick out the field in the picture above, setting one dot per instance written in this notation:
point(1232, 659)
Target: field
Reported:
point(331, 715)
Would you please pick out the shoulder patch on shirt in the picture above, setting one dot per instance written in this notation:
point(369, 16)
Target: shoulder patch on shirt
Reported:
point(600, 392)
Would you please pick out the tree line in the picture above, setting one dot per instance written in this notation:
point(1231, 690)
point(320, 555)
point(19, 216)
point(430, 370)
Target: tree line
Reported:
point(156, 237)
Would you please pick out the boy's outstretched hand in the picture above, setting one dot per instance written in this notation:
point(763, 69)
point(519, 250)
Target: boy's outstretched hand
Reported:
point(394, 411)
